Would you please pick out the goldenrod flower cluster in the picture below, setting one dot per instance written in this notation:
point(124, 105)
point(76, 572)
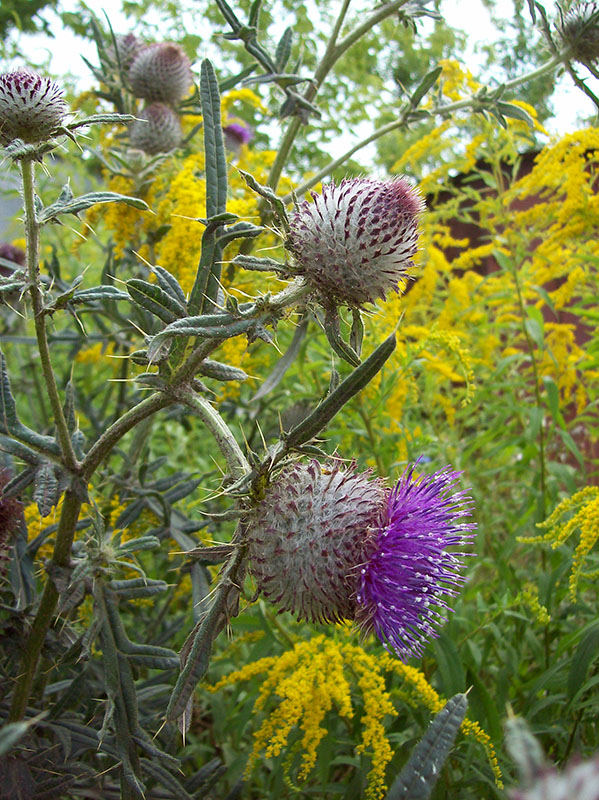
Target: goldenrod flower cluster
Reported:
point(307, 682)
point(580, 512)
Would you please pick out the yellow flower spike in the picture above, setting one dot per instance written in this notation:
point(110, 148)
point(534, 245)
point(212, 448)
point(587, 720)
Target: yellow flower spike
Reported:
point(578, 512)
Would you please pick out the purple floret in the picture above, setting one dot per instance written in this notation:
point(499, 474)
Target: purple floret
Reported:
point(414, 566)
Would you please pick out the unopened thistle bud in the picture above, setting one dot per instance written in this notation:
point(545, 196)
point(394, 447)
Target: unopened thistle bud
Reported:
point(161, 73)
point(32, 107)
point(11, 513)
point(124, 49)
point(330, 544)
point(160, 132)
point(356, 241)
point(578, 781)
point(579, 31)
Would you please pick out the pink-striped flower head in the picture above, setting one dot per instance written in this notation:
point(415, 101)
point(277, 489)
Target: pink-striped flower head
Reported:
point(357, 240)
point(161, 73)
point(32, 107)
point(416, 561)
point(331, 543)
point(158, 132)
point(308, 533)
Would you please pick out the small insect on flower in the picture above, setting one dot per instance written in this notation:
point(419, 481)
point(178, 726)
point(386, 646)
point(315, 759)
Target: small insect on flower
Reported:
point(32, 107)
point(357, 240)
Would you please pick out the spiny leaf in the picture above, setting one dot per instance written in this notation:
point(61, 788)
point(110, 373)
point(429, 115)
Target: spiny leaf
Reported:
point(46, 491)
point(418, 777)
point(155, 300)
point(86, 201)
point(9, 420)
point(354, 383)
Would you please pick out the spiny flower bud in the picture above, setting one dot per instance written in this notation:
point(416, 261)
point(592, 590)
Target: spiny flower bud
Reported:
point(124, 49)
point(161, 73)
point(159, 133)
point(11, 512)
point(413, 565)
point(356, 241)
point(309, 533)
point(579, 31)
point(31, 107)
point(332, 544)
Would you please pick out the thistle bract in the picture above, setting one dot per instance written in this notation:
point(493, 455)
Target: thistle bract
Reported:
point(161, 73)
point(413, 565)
point(307, 535)
point(578, 781)
point(32, 107)
point(159, 132)
point(357, 240)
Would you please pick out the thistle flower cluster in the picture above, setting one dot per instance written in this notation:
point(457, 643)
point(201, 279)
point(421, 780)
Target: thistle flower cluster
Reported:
point(32, 107)
point(328, 543)
point(578, 781)
point(161, 75)
point(356, 242)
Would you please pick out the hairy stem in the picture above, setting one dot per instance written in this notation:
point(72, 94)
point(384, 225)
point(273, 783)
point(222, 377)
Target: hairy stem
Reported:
point(332, 54)
point(32, 235)
point(236, 461)
point(71, 507)
point(98, 452)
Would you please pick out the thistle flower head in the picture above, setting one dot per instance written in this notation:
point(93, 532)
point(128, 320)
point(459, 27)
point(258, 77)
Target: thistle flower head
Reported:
point(412, 566)
point(307, 535)
point(161, 73)
point(236, 134)
point(124, 49)
point(31, 107)
point(579, 31)
point(357, 240)
point(10, 252)
point(578, 780)
point(160, 132)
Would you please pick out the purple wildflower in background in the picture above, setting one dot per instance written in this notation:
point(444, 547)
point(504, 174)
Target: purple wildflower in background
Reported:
point(32, 107)
point(357, 240)
point(413, 566)
point(237, 134)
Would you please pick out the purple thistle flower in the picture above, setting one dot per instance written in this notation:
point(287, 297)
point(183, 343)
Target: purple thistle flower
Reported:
point(236, 135)
point(31, 107)
point(413, 566)
point(356, 241)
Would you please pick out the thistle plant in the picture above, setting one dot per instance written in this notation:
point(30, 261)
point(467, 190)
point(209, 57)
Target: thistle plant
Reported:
point(303, 527)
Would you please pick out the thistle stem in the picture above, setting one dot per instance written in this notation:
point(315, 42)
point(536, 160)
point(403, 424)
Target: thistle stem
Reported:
point(71, 507)
point(32, 234)
point(442, 111)
point(236, 461)
point(332, 54)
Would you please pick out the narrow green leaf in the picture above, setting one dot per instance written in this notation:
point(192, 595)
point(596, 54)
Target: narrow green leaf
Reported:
point(284, 362)
point(553, 400)
point(87, 201)
point(275, 202)
point(417, 779)
point(154, 299)
point(426, 83)
point(283, 51)
point(216, 163)
point(99, 293)
point(138, 587)
point(12, 733)
point(258, 264)
point(354, 383)
point(221, 372)
point(241, 230)
point(586, 652)
point(170, 285)
point(46, 492)
point(515, 112)
point(9, 420)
